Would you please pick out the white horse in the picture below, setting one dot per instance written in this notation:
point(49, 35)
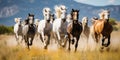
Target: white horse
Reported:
point(45, 27)
point(60, 24)
point(36, 23)
point(69, 20)
point(18, 29)
point(86, 29)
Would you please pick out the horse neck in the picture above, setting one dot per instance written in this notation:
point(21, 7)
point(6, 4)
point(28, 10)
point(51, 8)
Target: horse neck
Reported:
point(85, 25)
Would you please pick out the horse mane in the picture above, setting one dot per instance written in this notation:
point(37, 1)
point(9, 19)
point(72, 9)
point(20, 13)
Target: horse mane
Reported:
point(57, 11)
point(17, 20)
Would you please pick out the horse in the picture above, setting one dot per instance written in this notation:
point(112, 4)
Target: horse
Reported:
point(74, 29)
point(18, 29)
point(102, 27)
point(29, 30)
point(45, 27)
point(86, 29)
point(69, 20)
point(60, 24)
point(36, 23)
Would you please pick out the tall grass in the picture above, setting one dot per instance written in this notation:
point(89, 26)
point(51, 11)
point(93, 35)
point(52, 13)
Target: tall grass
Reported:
point(6, 29)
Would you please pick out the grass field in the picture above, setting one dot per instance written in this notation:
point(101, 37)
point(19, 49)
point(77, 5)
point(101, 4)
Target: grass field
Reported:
point(10, 51)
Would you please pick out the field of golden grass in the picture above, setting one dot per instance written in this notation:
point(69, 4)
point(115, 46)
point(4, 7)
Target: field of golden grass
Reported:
point(9, 50)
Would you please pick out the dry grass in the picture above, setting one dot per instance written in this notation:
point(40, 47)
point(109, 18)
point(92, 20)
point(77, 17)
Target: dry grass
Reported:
point(21, 53)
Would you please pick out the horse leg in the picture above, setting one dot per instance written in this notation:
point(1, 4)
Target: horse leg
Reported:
point(76, 45)
point(69, 42)
point(96, 37)
point(72, 39)
point(103, 39)
point(17, 38)
point(31, 41)
point(48, 41)
point(106, 45)
point(41, 38)
point(27, 42)
point(55, 36)
point(58, 36)
point(65, 42)
point(22, 39)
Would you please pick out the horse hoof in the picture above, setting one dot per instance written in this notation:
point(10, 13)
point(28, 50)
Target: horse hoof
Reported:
point(45, 47)
point(102, 47)
point(106, 45)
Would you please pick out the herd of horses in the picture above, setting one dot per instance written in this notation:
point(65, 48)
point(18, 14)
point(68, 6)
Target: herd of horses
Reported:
point(63, 27)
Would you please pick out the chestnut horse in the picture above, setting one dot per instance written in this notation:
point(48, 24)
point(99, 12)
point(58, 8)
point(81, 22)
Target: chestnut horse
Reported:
point(102, 27)
point(74, 29)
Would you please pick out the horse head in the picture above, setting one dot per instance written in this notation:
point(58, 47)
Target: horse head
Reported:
point(105, 14)
point(85, 20)
point(46, 13)
point(63, 10)
point(18, 21)
point(30, 18)
point(52, 17)
point(75, 15)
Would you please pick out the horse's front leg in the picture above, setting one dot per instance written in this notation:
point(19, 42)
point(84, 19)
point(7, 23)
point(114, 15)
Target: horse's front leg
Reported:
point(69, 42)
point(48, 41)
point(106, 45)
point(76, 44)
point(43, 37)
point(31, 41)
point(58, 36)
point(22, 38)
point(17, 38)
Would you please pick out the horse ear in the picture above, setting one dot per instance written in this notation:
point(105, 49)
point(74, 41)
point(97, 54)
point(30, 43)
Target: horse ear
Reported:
point(45, 10)
point(29, 14)
point(72, 9)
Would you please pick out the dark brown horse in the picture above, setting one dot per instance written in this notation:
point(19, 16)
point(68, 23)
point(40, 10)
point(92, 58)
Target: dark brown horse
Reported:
point(74, 29)
point(29, 30)
point(102, 27)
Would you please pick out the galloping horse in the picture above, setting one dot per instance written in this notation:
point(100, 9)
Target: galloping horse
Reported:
point(74, 29)
point(60, 24)
point(45, 27)
point(18, 29)
point(86, 29)
point(102, 27)
point(29, 30)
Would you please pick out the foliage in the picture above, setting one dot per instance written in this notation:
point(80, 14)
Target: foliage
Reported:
point(113, 22)
point(6, 29)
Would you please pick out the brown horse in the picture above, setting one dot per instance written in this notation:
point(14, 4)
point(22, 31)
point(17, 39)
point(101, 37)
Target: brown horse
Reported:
point(102, 27)
point(74, 29)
